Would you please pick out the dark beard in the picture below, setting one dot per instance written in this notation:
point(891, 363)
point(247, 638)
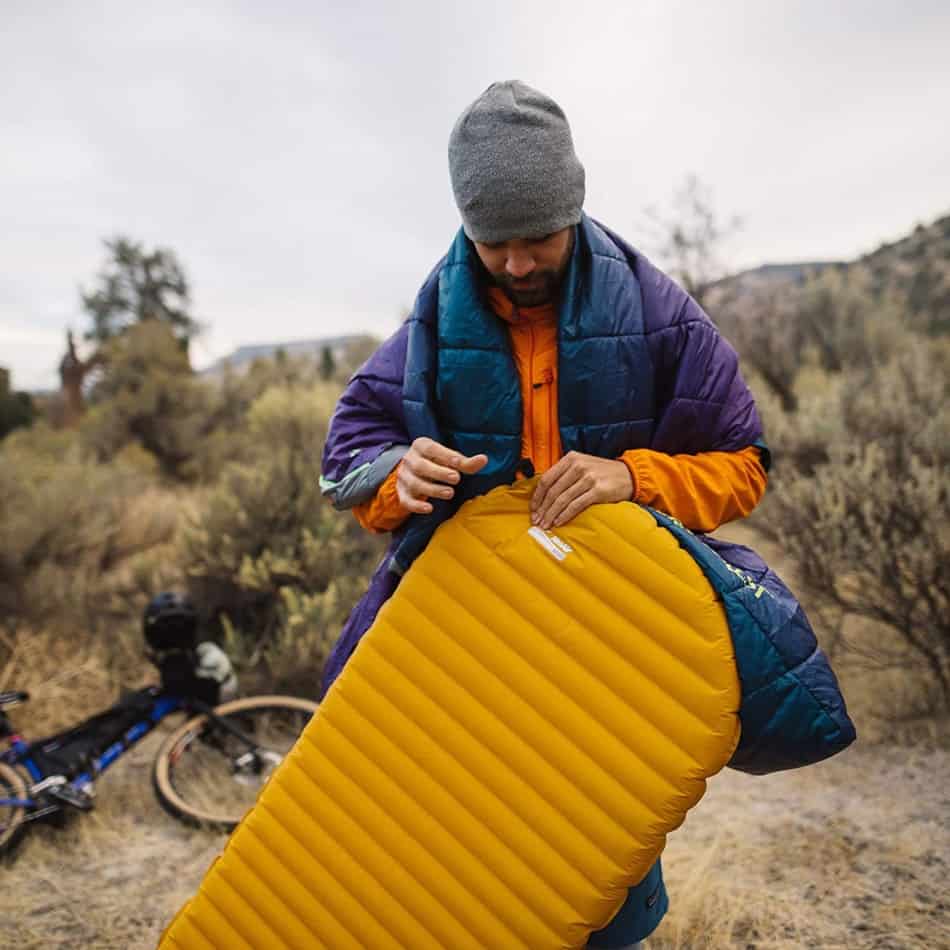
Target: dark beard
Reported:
point(543, 289)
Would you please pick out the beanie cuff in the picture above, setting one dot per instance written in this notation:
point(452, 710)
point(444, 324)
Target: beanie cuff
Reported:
point(497, 232)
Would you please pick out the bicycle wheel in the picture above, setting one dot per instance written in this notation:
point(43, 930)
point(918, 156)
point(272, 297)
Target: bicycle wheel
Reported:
point(12, 817)
point(206, 775)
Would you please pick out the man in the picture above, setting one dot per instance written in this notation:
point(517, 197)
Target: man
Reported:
point(542, 343)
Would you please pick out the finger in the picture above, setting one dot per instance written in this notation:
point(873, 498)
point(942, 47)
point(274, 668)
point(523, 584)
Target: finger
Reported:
point(579, 504)
point(439, 453)
point(473, 464)
point(422, 467)
point(443, 455)
point(568, 476)
point(546, 481)
point(417, 506)
point(423, 488)
point(562, 500)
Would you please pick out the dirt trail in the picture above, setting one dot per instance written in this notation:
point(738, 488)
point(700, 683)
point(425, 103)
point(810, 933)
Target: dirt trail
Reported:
point(852, 853)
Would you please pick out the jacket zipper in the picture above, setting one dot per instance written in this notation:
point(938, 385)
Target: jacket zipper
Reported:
point(531, 444)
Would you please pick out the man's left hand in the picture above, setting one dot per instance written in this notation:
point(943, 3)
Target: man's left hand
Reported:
point(576, 482)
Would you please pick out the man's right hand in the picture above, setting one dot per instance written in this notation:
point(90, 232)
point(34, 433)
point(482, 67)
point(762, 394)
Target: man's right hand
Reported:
point(430, 470)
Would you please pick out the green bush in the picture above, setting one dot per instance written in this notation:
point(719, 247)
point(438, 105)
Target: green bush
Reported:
point(844, 324)
point(76, 538)
point(834, 321)
point(147, 394)
point(800, 440)
point(266, 554)
point(903, 405)
point(16, 411)
point(224, 428)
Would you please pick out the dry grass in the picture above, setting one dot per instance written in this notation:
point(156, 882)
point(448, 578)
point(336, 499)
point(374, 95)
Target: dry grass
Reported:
point(68, 679)
point(851, 853)
point(91, 881)
point(92, 648)
point(107, 879)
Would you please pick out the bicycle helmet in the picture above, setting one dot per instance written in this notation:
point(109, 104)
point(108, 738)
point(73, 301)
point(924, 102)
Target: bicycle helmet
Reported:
point(170, 622)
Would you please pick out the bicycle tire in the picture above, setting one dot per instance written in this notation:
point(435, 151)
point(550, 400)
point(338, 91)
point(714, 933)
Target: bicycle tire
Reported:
point(184, 740)
point(12, 819)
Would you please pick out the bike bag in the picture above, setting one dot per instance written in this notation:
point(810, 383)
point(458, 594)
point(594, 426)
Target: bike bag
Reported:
point(72, 751)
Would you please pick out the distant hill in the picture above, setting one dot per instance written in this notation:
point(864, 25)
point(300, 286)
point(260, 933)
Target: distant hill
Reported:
point(916, 268)
point(794, 273)
point(243, 356)
point(926, 241)
point(769, 275)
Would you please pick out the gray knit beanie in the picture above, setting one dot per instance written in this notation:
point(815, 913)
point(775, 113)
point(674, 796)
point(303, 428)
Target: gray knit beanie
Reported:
point(513, 167)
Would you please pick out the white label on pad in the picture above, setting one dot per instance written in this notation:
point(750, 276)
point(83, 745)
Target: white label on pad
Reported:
point(555, 546)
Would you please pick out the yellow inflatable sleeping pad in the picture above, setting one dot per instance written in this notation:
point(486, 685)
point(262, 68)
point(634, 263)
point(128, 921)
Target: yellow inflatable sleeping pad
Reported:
point(504, 754)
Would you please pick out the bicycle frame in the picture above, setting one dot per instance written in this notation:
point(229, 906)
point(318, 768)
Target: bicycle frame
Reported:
point(19, 753)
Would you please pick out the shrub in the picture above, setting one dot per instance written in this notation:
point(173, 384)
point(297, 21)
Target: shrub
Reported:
point(903, 405)
point(75, 537)
point(147, 394)
point(800, 440)
point(762, 325)
point(16, 408)
point(834, 321)
point(869, 528)
point(266, 554)
point(844, 323)
point(224, 428)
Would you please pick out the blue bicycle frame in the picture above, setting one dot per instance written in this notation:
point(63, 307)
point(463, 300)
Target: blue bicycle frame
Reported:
point(19, 752)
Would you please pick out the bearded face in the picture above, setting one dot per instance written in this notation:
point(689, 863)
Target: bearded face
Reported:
point(529, 270)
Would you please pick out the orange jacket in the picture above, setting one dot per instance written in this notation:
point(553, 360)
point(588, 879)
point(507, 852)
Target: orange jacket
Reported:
point(703, 491)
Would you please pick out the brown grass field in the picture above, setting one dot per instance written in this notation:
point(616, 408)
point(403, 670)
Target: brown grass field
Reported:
point(852, 853)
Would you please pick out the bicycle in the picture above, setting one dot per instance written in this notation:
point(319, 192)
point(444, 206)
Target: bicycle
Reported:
point(206, 773)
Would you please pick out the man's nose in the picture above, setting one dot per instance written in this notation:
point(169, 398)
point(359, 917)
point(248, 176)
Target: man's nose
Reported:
point(519, 264)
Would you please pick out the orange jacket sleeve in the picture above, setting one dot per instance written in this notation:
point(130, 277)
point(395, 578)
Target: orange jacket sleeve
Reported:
point(384, 511)
point(702, 491)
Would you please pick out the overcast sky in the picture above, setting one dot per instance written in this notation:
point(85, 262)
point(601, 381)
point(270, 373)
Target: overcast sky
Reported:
point(293, 154)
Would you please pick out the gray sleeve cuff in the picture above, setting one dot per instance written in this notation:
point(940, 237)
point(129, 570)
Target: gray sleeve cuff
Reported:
point(363, 482)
